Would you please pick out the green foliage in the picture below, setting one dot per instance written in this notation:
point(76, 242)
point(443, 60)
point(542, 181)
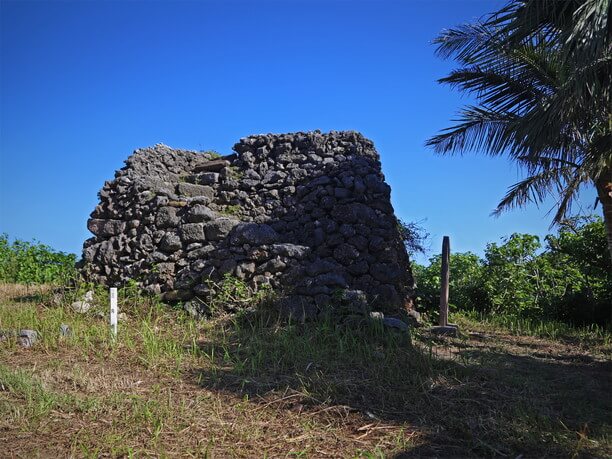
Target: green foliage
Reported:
point(233, 294)
point(212, 154)
point(234, 173)
point(586, 274)
point(413, 236)
point(466, 282)
point(513, 275)
point(231, 209)
point(33, 263)
point(569, 280)
point(539, 72)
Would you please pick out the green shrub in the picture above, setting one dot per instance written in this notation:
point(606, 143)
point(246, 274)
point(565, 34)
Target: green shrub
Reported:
point(413, 235)
point(232, 294)
point(569, 280)
point(466, 283)
point(33, 263)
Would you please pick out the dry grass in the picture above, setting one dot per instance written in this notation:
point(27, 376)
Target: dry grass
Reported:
point(251, 387)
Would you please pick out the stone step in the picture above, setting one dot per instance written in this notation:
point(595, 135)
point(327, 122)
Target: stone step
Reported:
point(212, 166)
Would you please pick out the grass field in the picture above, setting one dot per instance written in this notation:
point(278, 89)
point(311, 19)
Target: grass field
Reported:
point(250, 386)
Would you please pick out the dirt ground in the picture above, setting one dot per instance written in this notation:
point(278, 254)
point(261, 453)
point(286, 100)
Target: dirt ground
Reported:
point(489, 394)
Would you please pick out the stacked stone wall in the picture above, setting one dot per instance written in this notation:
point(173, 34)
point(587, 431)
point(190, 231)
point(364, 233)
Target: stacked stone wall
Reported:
point(307, 213)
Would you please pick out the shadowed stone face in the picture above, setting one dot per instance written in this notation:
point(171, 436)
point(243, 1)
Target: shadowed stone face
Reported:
point(253, 234)
point(308, 213)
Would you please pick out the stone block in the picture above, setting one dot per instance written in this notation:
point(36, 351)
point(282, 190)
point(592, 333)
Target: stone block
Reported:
point(214, 165)
point(191, 190)
point(218, 229)
point(192, 232)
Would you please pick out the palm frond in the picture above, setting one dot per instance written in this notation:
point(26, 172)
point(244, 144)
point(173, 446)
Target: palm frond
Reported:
point(563, 180)
point(544, 162)
point(501, 91)
point(532, 189)
point(468, 43)
point(562, 123)
point(581, 30)
point(476, 127)
point(541, 73)
point(522, 20)
point(568, 195)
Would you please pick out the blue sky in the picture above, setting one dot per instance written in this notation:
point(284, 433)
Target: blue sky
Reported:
point(83, 84)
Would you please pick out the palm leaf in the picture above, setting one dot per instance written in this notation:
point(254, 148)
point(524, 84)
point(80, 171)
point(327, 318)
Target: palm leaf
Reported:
point(541, 72)
point(562, 179)
point(534, 189)
point(476, 128)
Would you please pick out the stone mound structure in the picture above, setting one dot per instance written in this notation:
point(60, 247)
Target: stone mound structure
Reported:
point(307, 213)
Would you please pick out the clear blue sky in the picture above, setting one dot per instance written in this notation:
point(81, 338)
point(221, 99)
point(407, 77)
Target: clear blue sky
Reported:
point(85, 83)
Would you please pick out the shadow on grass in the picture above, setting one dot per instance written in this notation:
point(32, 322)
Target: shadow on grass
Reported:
point(480, 403)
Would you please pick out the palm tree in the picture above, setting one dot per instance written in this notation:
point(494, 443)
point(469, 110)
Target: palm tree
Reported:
point(541, 73)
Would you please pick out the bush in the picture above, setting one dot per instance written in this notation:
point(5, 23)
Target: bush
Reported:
point(580, 252)
point(569, 280)
point(33, 263)
point(413, 236)
point(466, 283)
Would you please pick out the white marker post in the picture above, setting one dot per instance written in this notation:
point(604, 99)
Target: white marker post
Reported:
point(113, 311)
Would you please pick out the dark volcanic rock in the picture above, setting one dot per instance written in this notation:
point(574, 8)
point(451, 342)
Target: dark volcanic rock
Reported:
point(219, 228)
point(307, 213)
point(105, 227)
point(200, 213)
point(253, 234)
point(167, 217)
point(192, 232)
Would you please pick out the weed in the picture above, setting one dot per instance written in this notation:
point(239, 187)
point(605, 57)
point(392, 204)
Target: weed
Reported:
point(212, 154)
point(233, 294)
point(551, 329)
point(327, 362)
point(234, 173)
point(231, 210)
point(20, 384)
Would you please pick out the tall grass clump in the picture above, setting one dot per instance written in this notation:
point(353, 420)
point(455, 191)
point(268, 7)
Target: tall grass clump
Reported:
point(22, 385)
point(551, 329)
